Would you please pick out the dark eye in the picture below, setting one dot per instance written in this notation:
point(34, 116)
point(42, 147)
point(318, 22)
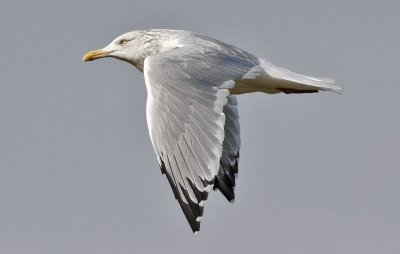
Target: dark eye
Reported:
point(123, 41)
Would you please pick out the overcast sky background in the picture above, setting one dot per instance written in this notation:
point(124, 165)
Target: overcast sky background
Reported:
point(319, 173)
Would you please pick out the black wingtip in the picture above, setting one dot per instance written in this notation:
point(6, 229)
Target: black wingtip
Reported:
point(190, 216)
point(290, 90)
point(192, 211)
point(225, 180)
point(225, 186)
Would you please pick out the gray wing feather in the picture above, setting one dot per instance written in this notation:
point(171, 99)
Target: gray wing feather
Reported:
point(228, 170)
point(187, 91)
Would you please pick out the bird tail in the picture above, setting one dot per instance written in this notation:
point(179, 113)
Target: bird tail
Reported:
point(269, 78)
point(290, 82)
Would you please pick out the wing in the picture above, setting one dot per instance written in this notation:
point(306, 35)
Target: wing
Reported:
point(228, 169)
point(187, 91)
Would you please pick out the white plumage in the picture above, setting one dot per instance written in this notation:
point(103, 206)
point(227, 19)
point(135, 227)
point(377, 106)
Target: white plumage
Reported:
point(191, 110)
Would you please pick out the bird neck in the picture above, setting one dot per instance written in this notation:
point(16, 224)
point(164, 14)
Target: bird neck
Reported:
point(155, 44)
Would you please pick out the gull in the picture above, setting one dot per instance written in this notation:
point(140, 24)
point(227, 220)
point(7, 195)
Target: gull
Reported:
point(191, 109)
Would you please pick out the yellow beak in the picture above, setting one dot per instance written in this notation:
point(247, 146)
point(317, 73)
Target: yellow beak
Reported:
point(95, 54)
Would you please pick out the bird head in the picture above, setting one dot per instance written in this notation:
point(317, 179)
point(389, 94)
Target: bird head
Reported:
point(132, 47)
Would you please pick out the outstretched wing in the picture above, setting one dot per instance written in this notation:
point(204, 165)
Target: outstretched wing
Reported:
point(228, 169)
point(187, 91)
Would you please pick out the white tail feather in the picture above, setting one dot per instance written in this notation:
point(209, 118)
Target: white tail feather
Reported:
point(278, 77)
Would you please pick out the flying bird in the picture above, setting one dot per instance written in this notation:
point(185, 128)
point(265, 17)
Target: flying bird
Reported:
point(192, 110)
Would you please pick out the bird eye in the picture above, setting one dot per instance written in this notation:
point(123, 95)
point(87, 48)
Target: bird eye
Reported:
point(123, 41)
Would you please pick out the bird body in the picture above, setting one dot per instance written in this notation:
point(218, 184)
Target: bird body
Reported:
point(191, 108)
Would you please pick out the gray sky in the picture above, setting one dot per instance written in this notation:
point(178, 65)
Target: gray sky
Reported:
point(319, 173)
